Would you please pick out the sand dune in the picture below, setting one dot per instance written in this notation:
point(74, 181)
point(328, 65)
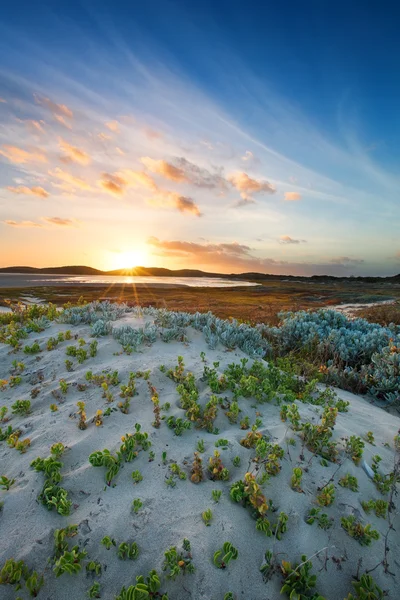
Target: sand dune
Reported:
point(170, 514)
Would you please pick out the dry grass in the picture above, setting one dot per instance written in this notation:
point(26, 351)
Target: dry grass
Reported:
point(384, 314)
point(260, 304)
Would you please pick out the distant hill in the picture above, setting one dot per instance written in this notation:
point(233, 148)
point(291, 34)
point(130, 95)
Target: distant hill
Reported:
point(72, 270)
point(161, 272)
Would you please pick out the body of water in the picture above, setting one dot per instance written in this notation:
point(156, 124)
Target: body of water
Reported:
point(23, 280)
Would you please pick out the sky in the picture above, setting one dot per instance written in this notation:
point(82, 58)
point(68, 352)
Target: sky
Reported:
point(223, 136)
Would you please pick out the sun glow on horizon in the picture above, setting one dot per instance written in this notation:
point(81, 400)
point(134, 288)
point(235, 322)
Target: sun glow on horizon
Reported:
point(130, 259)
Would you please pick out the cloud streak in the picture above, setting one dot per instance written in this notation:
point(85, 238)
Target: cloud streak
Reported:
point(29, 191)
point(20, 156)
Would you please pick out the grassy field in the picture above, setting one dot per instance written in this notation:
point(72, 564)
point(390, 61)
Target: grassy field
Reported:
point(259, 304)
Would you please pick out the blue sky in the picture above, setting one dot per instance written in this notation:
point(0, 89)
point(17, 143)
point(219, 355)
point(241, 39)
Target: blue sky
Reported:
point(228, 136)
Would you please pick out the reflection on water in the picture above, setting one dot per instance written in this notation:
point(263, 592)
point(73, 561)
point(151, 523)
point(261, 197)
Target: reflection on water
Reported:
point(28, 280)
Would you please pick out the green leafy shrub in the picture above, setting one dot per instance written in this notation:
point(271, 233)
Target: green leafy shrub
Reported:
point(363, 535)
point(69, 562)
point(144, 588)
point(326, 495)
point(107, 542)
point(21, 407)
point(298, 581)
point(350, 482)
point(223, 557)
point(380, 507)
point(126, 550)
point(6, 483)
point(366, 589)
point(176, 562)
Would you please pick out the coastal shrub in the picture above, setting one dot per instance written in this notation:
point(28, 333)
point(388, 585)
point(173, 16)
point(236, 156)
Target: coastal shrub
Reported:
point(148, 587)
point(223, 557)
point(177, 562)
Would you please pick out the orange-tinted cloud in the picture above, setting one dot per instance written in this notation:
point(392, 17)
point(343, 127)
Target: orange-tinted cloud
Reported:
point(2, 101)
point(17, 155)
point(113, 184)
point(248, 156)
point(112, 126)
point(117, 183)
point(183, 204)
point(103, 137)
point(152, 134)
point(182, 170)
point(163, 168)
point(62, 121)
point(56, 109)
point(61, 222)
point(22, 224)
point(70, 180)
point(248, 186)
point(179, 248)
point(286, 239)
point(29, 191)
point(73, 154)
point(35, 127)
point(292, 196)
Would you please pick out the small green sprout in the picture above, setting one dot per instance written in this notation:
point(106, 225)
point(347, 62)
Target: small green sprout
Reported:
point(107, 542)
point(296, 479)
point(200, 446)
point(216, 495)
point(207, 516)
point(137, 476)
point(136, 505)
point(236, 461)
point(94, 590)
point(6, 483)
point(223, 557)
point(93, 567)
point(126, 550)
point(64, 386)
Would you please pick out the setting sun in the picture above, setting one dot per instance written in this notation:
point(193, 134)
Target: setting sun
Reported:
point(131, 258)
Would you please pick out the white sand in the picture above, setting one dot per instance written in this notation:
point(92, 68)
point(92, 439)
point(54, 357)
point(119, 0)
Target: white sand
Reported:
point(168, 515)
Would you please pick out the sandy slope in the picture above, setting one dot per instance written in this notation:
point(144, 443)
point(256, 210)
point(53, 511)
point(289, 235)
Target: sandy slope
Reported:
point(168, 515)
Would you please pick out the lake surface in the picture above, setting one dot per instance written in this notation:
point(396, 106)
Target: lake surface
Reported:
point(28, 281)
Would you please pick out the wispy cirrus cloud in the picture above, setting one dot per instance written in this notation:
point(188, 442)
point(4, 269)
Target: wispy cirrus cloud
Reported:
point(22, 224)
point(286, 239)
point(292, 196)
point(346, 261)
point(73, 154)
point(112, 126)
point(71, 181)
point(53, 107)
point(60, 222)
point(57, 221)
point(35, 127)
point(20, 156)
point(29, 191)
